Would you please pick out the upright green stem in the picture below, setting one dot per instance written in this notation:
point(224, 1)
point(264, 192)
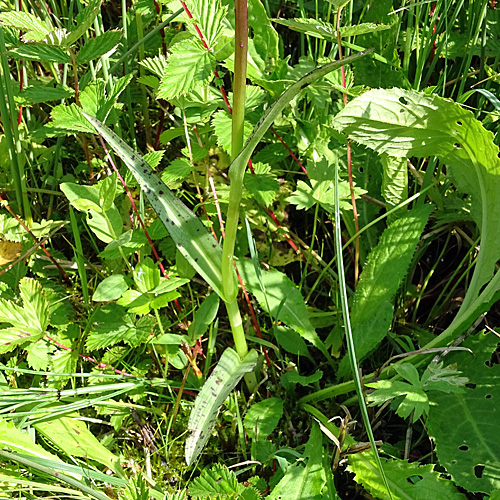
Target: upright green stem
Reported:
point(233, 215)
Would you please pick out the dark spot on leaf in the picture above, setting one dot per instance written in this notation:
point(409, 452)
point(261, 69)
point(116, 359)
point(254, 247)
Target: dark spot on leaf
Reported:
point(403, 100)
point(470, 386)
point(464, 447)
point(488, 396)
point(459, 122)
point(179, 245)
point(414, 479)
point(145, 171)
point(133, 157)
point(196, 260)
point(457, 145)
point(214, 246)
point(478, 471)
point(161, 192)
point(173, 223)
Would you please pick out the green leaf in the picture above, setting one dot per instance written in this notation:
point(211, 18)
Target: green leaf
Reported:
point(407, 123)
point(37, 93)
point(372, 307)
point(302, 482)
point(291, 341)
point(110, 325)
point(40, 52)
point(107, 226)
point(28, 322)
point(70, 118)
point(225, 377)
point(263, 417)
point(73, 437)
point(394, 183)
point(35, 29)
point(83, 198)
point(281, 299)
point(464, 426)
point(99, 46)
point(190, 65)
point(107, 191)
point(265, 39)
point(83, 22)
point(327, 31)
point(17, 440)
point(222, 124)
point(193, 240)
point(39, 355)
point(261, 184)
point(408, 481)
point(204, 316)
point(110, 288)
point(209, 16)
point(178, 170)
point(220, 483)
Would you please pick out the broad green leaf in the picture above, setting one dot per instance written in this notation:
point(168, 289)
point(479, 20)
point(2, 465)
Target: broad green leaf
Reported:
point(263, 417)
point(73, 438)
point(110, 288)
point(407, 123)
point(83, 198)
point(302, 482)
point(83, 22)
point(225, 377)
point(204, 316)
point(70, 118)
point(190, 65)
point(372, 307)
point(465, 426)
point(21, 442)
point(99, 46)
point(327, 31)
point(107, 226)
point(193, 240)
point(154, 158)
point(281, 299)
point(110, 324)
point(35, 29)
point(262, 185)
point(291, 341)
point(39, 354)
point(394, 183)
point(40, 52)
point(220, 483)
point(408, 481)
point(29, 321)
point(93, 96)
point(178, 170)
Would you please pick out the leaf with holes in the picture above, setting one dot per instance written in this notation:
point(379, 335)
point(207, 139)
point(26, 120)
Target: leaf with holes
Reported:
point(226, 375)
point(466, 426)
point(404, 123)
point(193, 240)
point(408, 481)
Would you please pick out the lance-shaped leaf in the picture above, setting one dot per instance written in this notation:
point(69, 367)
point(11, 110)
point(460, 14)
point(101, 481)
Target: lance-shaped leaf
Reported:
point(193, 240)
point(214, 392)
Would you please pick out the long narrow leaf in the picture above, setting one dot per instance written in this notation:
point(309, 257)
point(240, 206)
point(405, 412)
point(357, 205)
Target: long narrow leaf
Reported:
point(193, 240)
